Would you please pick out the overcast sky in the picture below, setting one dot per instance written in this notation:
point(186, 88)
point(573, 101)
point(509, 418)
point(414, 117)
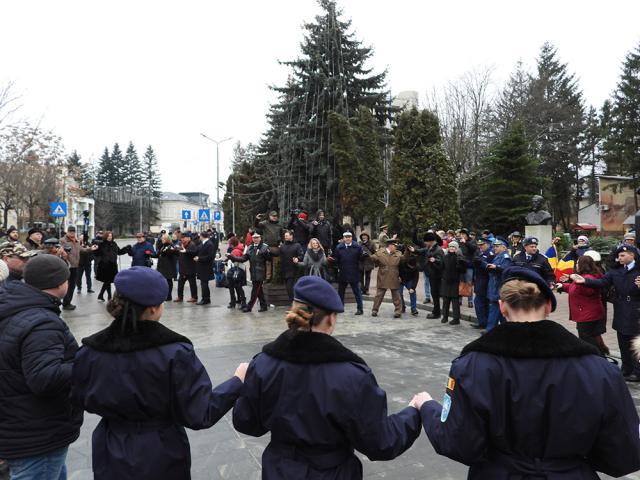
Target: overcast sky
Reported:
point(160, 72)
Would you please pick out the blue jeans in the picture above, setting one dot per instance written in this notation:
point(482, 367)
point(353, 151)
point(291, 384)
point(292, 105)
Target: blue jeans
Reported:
point(495, 317)
point(48, 466)
point(412, 298)
point(482, 310)
point(427, 286)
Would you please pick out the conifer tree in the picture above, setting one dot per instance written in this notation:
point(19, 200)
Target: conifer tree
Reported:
point(152, 180)
point(554, 123)
point(134, 176)
point(423, 185)
point(330, 75)
point(622, 145)
point(119, 167)
point(506, 183)
point(356, 145)
point(106, 175)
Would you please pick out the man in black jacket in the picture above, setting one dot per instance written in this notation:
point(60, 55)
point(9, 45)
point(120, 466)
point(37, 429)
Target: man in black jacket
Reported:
point(37, 421)
point(291, 255)
point(434, 256)
point(204, 266)
point(321, 229)
point(257, 254)
point(187, 268)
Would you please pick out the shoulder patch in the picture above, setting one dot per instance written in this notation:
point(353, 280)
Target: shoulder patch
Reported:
point(446, 407)
point(506, 255)
point(451, 384)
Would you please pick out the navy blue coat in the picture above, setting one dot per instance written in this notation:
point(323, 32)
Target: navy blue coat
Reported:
point(146, 387)
point(626, 306)
point(348, 260)
point(320, 401)
point(533, 394)
point(36, 355)
point(481, 272)
point(137, 252)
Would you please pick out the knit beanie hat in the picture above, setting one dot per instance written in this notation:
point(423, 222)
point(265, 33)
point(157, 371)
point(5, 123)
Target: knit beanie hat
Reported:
point(453, 244)
point(45, 271)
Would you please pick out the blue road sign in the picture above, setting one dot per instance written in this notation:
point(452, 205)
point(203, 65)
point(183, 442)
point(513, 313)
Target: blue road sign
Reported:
point(195, 222)
point(217, 215)
point(204, 215)
point(186, 214)
point(58, 209)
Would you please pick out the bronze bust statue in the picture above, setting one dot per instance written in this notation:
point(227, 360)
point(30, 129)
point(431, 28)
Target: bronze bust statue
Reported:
point(538, 216)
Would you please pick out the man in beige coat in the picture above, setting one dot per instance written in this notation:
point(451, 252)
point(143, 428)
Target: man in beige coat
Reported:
point(388, 262)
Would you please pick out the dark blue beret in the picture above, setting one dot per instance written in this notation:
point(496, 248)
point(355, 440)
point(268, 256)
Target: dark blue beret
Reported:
point(521, 273)
point(142, 285)
point(317, 292)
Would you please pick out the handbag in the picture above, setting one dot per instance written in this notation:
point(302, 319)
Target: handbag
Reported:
point(148, 262)
point(465, 289)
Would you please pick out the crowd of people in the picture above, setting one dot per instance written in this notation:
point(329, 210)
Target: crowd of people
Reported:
point(147, 384)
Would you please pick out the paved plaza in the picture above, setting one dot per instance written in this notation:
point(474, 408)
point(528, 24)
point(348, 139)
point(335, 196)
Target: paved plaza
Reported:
point(407, 355)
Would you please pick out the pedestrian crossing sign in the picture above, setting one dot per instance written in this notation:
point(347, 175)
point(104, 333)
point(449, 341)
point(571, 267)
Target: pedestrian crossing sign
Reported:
point(58, 209)
point(204, 215)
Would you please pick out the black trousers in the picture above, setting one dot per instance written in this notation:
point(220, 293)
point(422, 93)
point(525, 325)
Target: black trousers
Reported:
point(236, 295)
point(170, 283)
point(257, 294)
point(73, 273)
point(193, 286)
point(454, 302)
point(86, 271)
point(630, 364)
point(288, 283)
point(204, 286)
point(434, 283)
point(106, 287)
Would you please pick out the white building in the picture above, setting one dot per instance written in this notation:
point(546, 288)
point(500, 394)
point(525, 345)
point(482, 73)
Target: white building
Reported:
point(173, 204)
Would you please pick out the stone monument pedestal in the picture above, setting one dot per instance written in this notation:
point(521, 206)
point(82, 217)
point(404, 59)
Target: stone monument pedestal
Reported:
point(543, 233)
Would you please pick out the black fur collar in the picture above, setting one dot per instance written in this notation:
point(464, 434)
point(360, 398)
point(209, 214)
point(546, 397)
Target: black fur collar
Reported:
point(310, 347)
point(150, 334)
point(544, 339)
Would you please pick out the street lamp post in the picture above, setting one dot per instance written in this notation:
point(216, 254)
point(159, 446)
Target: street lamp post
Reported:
point(217, 142)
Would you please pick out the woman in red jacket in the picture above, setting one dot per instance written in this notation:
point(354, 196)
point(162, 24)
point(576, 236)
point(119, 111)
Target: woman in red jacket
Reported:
point(586, 307)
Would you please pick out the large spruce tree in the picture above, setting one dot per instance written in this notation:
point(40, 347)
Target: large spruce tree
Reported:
point(506, 181)
point(152, 182)
point(554, 124)
point(330, 75)
point(106, 175)
point(622, 145)
point(133, 172)
point(356, 146)
point(423, 184)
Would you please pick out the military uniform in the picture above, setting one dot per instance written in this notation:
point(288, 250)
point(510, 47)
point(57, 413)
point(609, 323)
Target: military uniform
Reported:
point(537, 263)
point(481, 283)
point(531, 400)
point(626, 310)
point(320, 401)
point(501, 261)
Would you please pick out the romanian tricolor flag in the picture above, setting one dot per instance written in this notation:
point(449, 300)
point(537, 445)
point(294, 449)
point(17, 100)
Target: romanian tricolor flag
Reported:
point(560, 267)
